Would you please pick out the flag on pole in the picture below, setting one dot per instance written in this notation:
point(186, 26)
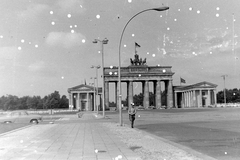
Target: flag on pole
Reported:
point(182, 80)
point(136, 46)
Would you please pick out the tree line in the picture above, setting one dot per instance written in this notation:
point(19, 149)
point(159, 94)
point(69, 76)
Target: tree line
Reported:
point(54, 100)
point(51, 101)
point(232, 96)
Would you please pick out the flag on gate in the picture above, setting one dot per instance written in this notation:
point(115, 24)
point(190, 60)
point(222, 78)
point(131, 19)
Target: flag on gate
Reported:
point(182, 80)
point(137, 45)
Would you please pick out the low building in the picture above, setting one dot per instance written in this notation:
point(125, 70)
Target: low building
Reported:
point(82, 97)
point(201, 94)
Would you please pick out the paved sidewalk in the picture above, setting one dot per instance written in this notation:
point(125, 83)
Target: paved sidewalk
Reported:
point(70, 138)
point(85, 138)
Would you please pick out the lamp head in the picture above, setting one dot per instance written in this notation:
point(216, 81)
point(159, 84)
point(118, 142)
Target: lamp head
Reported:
point(163, 8)
point(95, 41)
point(105, 41)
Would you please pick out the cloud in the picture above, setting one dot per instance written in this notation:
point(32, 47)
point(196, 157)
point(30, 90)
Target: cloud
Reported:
point(71, 6)
point(37, 66)
point(33, 11)
point(67, 40)
point(8, 53)
point(40, 68)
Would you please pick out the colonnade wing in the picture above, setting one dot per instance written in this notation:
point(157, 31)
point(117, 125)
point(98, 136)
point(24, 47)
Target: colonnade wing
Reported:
point(201, 94)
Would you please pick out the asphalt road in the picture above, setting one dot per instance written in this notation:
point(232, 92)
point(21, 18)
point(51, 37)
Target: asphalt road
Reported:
point(214, 132)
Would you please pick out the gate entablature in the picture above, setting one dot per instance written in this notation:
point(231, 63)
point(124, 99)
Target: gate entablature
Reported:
point(140, 72)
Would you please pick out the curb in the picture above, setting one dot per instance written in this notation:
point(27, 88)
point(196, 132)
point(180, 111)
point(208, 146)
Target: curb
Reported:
point(15, 130)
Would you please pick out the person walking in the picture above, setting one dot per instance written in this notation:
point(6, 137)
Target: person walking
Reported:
point(132, 112)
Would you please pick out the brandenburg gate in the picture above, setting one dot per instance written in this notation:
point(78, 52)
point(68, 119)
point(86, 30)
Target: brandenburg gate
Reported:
point(138, 71)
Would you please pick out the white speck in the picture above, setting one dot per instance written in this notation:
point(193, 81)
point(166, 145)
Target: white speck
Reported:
point(110, 73)
point(153, 55)
point(138, 115)
point(168, 28)
point(96, 151)
point(164, 71)
point(129, 1)
point(147, 52)
point(115, 73)
point(218, 8)
point(1, 36)
point(125, 45)
point(133, 35)
point(51, 12)
point(36, 45)
point(179, 9)
point(22, 41)
point(29, 42)
point(81, 6)
point(190, 8)
point(69, 15)
point(75, 26)
point(225, 152)
point(21, 141)
point(198, 12)
point(72, 31)
point(70, 26)
point(62, 77)
point(139, 75)
point(83, 40)
point(175, 19)
point(53, 23)
point(120, 156)
point(161, 16)
point(19, 48)
point(98, 16)
point(217, 15)
point(111, 67)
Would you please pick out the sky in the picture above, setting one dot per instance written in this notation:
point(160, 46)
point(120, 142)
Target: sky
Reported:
point(46, 45)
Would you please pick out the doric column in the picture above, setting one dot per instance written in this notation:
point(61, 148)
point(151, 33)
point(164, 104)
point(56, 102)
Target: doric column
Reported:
point(191, 98)
point(200, 98)
point(175, 100)
point(215, 97)
point(183, 100)
point(194, 98)
point(78, 101)
point(116, 94)
point(209, 98)
point(106, 95)
point(130, 93)
point(70, 100)
point(87, 106)
point(146, 95)
point(169, 94)
point(158, 98)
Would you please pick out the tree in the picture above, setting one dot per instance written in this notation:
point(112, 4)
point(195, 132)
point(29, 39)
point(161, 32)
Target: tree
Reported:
point(63, 102)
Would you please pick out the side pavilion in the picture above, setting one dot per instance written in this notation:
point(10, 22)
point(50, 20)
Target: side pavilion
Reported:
point(201, 94)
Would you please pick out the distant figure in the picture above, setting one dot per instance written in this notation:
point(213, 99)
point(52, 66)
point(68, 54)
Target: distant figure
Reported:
point(132, 111)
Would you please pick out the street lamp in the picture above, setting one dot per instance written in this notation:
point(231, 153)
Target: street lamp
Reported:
point(95, 106)
point(224, 91)
point(163, 8)
point(97, 67)
point(104, 41)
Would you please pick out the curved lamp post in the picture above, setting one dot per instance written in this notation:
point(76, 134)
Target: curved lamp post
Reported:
point(104, 41)
point(97, 67)
point(163, 8)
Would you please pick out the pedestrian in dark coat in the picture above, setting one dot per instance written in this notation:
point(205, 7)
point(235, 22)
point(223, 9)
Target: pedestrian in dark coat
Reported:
point(132, 112)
